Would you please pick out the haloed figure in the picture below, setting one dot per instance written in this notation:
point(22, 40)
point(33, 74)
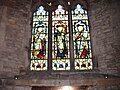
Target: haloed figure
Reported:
point(60, 36)
point(78, 37)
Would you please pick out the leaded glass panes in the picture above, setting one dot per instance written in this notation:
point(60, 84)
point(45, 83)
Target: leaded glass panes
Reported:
point(60, 37)
point(60, 51)
point(39, 44)
point(81, 38)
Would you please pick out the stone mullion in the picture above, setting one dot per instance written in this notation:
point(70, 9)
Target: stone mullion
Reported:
point(50, 41)
point(71, 40)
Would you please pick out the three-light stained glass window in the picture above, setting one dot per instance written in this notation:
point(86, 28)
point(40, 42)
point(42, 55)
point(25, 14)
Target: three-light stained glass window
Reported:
point(81, 38)
point(60, 35)
point(39, 45)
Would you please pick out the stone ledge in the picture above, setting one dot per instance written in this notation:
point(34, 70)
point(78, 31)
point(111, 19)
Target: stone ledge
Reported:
point(63, 82)
point(94, 74)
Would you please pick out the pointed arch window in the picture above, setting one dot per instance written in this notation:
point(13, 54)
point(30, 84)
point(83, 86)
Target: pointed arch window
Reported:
point(39, 48)
point(81, 38)
point(61, 45)
point(60, 37)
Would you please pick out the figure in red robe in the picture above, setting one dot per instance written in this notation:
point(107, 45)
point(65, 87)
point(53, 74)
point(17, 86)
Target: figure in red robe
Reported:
point(84, 53)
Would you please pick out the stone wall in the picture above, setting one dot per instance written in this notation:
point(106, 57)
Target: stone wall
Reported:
point(104, 16)
point(86, 84)
point(14, 36)
point(15, 33)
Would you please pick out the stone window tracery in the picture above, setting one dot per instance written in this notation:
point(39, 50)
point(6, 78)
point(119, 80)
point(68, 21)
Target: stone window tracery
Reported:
point(66, 51)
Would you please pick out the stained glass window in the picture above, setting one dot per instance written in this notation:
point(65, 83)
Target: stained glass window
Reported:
point(60, 37)
point(62, 41)
point(81, 38)
point(39, 45)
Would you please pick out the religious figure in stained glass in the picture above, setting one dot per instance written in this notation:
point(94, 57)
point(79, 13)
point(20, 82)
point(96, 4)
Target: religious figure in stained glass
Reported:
point(81, 37)
point(39, 49)
point(60, 37)
point(60, 40)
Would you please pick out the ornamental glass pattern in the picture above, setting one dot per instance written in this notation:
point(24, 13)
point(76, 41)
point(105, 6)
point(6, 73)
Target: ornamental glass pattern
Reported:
point(60, 37)
point(61, 60)
point(39, 44)
point(81, 38)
